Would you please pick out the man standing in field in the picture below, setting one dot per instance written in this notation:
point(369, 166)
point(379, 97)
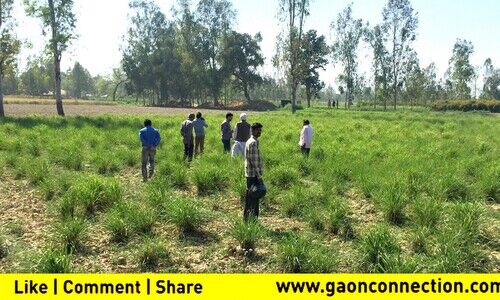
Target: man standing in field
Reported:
point(226, 132)
point(150, 139)
point(241, 135)
point(253, 172)
point(306, 136)
point(199, 125)
point(187, 137)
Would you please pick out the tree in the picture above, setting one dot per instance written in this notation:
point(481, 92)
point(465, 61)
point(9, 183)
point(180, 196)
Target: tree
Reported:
point(293, 13)
point(9, 45)
point(381, 64)
point(241, 58)
point(38, 77)
point(461, 70)
point(80, 81)
point(58, 17)
point(348, 33)
point(400, 25)
point(314, 52)
point(491, 88)
point(216, 18)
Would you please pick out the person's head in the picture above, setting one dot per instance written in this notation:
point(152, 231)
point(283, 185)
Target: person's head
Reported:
point(306, 123)
point(229, 116)
point(257, 129)
point(243, 117)
point(148, 123)
point(198, 115)
point(191, 117)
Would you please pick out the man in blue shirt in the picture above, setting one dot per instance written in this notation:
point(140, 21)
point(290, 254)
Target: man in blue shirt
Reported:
point(150, 139)
point(199, 125)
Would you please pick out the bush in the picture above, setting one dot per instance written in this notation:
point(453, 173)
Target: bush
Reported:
point(151, 254)
point(467, 105)
point(378, 248)
point(184, 214)
point(247, 233)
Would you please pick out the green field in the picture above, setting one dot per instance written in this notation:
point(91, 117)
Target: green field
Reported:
point(381, 192)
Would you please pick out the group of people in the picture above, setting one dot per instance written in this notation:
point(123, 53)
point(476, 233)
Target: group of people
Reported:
point(246, 145)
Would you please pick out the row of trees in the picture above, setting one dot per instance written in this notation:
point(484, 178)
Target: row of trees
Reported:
point(198, 55)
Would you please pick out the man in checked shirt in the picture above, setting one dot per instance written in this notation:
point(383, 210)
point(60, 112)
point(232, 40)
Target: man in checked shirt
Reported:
point(253, 171)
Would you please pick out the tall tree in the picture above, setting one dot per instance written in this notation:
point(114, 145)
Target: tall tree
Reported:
point(217, 18)
point(241, 57)
point(348, 33)
point(80, 81)
point(9, 45)
point(58, 17)
point(381, 64)
point(491, 88)
point(461, 70)
point(400, 25)
point(293, 14)
point(314, 52)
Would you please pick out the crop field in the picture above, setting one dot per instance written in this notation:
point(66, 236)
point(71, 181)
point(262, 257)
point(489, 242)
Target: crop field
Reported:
point(381, 192)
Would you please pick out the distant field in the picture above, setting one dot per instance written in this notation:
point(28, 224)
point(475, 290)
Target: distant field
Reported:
point(381, 192)
point(46, 101)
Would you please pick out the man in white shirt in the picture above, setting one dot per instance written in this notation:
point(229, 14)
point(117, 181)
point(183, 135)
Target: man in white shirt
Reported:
point(242, 133)
point(306, 136)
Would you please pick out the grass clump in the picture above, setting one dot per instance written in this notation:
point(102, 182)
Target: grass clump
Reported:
point(299, 254)
point(456, 190)
point(152, 254)
point(393, 202)
point(426, 212)
point(175, 175)
point(210, 179)
point(92, 194)
point(379, 249)
point(247, 233)
point(185, 214)
point(339, 221)
point(284, 177)
point(4, 247)
point(72, 233)
point(126, 219)
point(53, 261)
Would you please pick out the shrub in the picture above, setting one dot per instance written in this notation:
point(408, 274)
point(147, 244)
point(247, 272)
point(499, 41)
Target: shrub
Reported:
point(71, 232)
point(247, 233)
point(151, 254)
point(184, 214)
point(53, 261)
point(378, 248)
point(339, 220)
point(299, 254)
point(467, 105)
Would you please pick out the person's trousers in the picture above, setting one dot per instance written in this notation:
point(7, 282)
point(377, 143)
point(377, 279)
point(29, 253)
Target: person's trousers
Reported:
point(148, 155)
point(188, 151)
point(227, 145)
point(199, 144)
point(251, 203)
point(305, 151)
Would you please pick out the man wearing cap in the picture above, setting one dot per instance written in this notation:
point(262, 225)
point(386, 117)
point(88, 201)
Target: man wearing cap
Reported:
point(242, 132)
point(187, 137)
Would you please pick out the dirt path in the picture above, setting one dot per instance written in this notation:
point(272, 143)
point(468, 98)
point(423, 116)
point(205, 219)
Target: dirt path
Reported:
point(18, 110)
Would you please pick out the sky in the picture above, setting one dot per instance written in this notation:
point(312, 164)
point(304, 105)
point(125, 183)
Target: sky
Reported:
point(102, 24)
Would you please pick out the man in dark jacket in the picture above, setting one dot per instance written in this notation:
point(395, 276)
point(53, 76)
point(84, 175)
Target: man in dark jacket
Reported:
point(187, 137)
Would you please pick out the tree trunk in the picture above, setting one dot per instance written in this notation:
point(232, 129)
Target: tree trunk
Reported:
point(308, 94)
point(57, 85)
point(294, 98)
point(247, 93)
point(2, 112)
